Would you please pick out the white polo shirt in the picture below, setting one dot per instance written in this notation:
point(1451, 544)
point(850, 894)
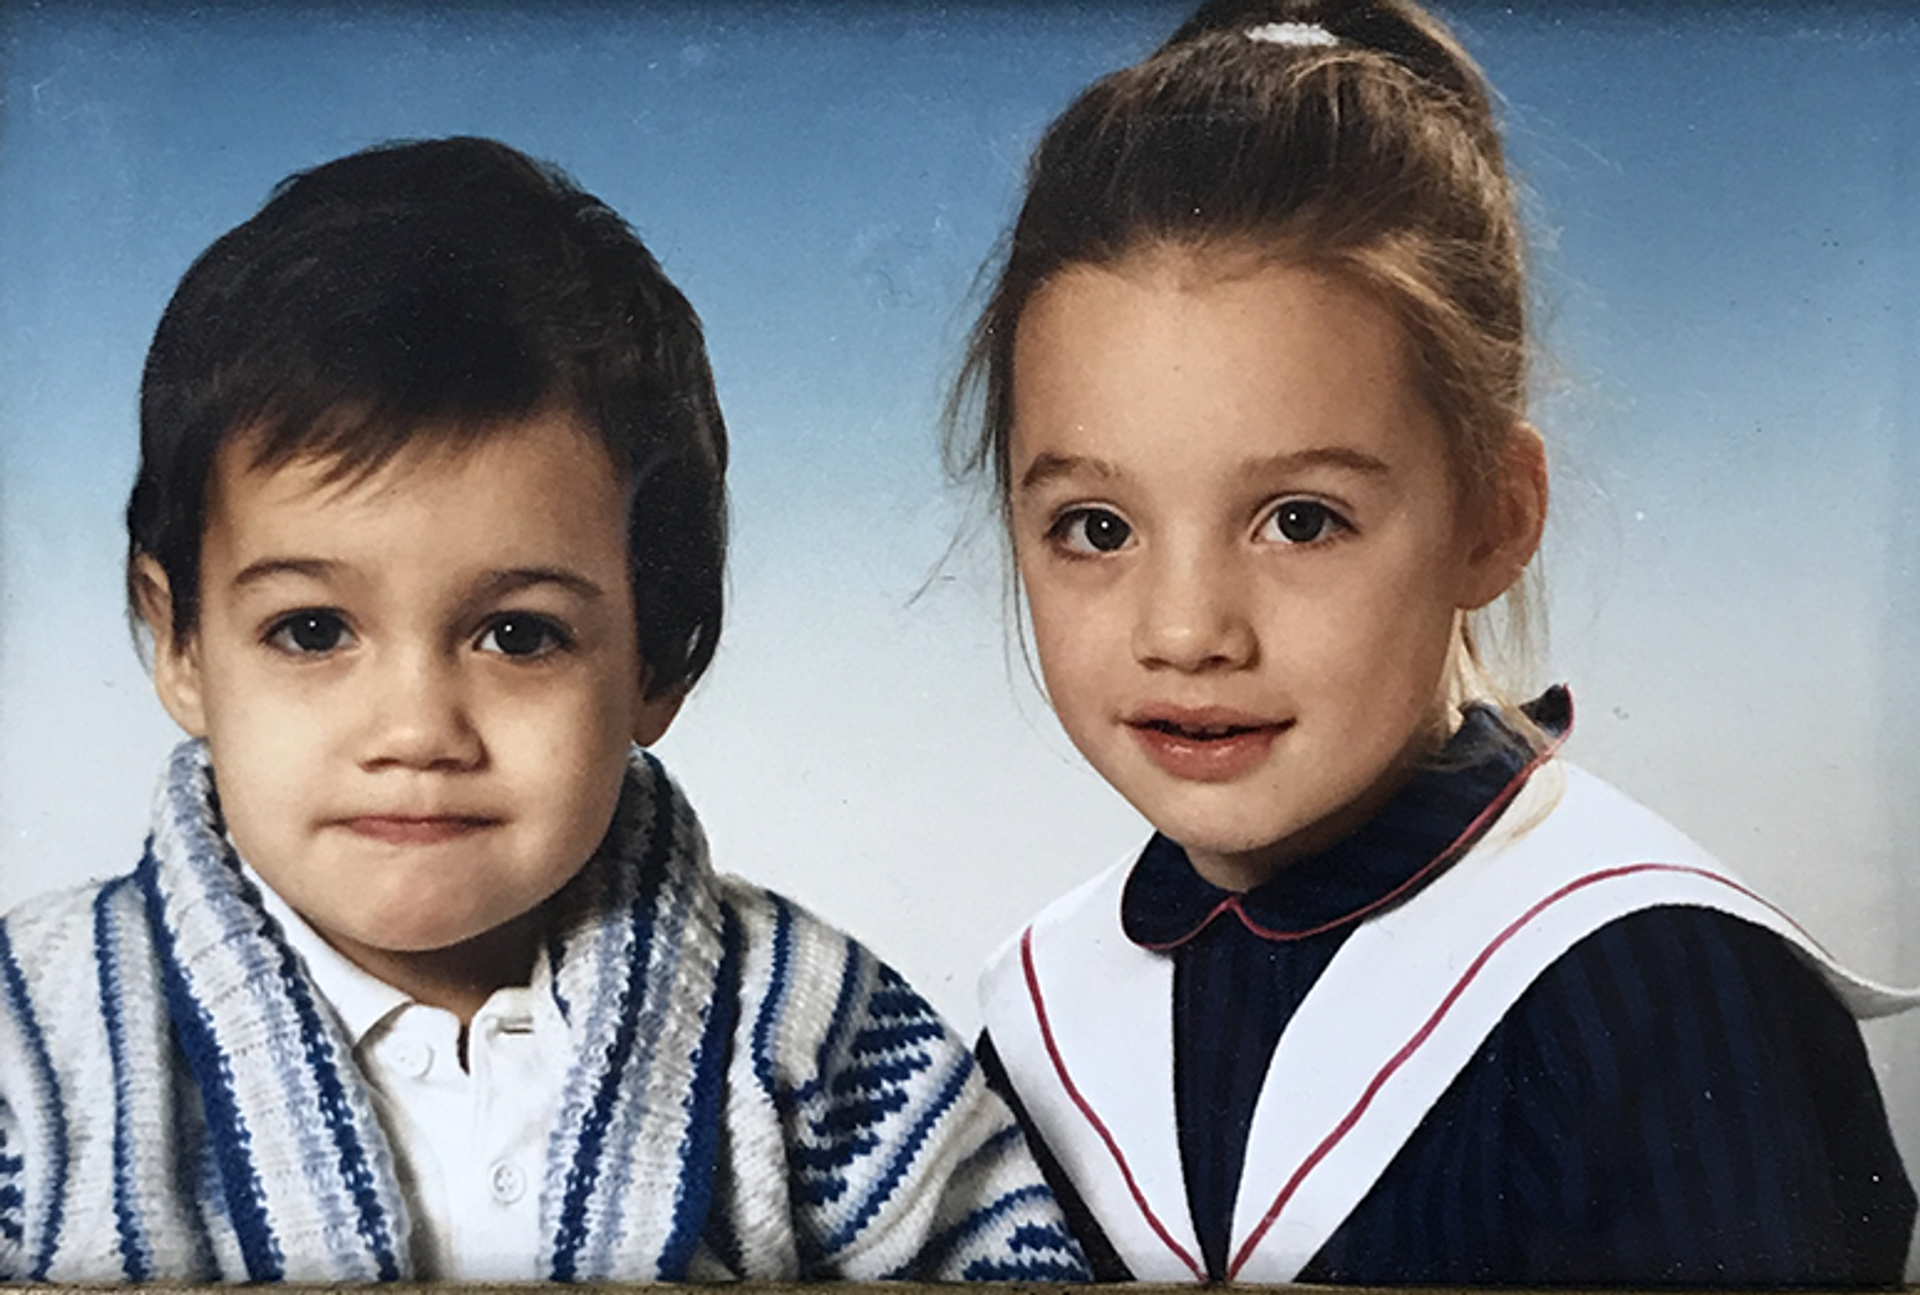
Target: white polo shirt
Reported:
point(470, 1143)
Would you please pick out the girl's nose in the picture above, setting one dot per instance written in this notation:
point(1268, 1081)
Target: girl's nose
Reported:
point(419, 716)
point(1193, 616)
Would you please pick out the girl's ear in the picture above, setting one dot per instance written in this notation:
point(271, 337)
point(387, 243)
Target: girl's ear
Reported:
point(652, 715)
point(176, 663)
point(1508, 531)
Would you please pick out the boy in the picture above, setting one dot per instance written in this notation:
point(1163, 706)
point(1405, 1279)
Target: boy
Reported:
point(424, 973)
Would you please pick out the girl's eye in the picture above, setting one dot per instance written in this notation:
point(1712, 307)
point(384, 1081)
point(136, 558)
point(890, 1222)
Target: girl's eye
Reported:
point(523, 635)
point(1091, 530)
point(1302, 521)
point(309, 633)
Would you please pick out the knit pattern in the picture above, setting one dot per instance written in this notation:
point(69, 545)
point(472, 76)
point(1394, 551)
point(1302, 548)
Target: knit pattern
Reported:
point(753, 1094)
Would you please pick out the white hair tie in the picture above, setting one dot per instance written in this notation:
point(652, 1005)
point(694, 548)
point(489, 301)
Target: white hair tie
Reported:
point(1292, 33)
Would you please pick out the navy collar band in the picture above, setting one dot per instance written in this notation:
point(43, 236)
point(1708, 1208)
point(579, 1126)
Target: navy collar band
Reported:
point(1428, 824)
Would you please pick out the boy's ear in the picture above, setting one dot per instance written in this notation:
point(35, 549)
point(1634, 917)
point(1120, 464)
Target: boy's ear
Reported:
point(652, 715)
point(176, 663)
point(1507, 533)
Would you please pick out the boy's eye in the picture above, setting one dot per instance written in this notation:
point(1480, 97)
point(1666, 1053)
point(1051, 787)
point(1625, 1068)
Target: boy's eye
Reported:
point(1302, 521)
point(1091, 530)
point(522, 634)
point(309, 633)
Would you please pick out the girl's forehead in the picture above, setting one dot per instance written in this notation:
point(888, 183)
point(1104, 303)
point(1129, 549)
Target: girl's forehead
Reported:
point(1169, 370)
point(1234, 288)
point(1272, 333)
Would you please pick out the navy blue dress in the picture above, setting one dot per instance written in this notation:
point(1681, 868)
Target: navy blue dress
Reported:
point(1678, 1100)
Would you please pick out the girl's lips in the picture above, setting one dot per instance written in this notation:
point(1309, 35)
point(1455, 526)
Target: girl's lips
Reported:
point(397, 829)
point(1207, 748)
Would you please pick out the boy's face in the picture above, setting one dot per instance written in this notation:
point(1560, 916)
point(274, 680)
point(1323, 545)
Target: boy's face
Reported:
point(418, 687)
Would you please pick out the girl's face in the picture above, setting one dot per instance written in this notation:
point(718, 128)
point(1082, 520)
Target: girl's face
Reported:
point(1241, 546)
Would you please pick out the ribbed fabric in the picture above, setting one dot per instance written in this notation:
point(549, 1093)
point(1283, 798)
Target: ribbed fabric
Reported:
point(1677, 1100)
point(753, 1094)
point(1244, 963)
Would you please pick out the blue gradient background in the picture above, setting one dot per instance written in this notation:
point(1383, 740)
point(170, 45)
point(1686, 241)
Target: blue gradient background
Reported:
point(1723, 213)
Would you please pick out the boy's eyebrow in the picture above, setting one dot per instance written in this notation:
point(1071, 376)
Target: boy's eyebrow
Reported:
point(268, 568)
point(492, 584)
point(497, 584)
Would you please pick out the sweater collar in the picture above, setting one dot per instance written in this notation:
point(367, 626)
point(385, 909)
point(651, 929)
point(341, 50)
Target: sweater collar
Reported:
point(1440, 811)
point(640, 965)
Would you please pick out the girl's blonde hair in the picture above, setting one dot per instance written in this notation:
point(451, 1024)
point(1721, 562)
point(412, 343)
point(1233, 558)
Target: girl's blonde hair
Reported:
point(1353, 138)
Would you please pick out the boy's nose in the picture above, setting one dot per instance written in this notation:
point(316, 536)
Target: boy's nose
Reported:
point(418, 716)
point(1192, 615)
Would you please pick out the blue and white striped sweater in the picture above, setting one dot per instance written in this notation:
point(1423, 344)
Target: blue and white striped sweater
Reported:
point(753, 1094)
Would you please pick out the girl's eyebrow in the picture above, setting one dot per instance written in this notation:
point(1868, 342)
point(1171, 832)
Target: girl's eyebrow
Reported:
point(1323, 456)
point(1049, 466)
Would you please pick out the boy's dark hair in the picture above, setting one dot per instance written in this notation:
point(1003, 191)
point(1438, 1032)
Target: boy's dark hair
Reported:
point(438, 289)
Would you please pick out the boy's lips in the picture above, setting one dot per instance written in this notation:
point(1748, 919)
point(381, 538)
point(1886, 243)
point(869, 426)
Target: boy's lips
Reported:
point(415, 829)
point(1205, 745)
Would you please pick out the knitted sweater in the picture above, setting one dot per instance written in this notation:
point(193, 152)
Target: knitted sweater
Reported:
point(753, 1094)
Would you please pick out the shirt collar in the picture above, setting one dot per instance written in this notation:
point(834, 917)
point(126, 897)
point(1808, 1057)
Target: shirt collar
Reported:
point(1427, 824)
point(360, 1000)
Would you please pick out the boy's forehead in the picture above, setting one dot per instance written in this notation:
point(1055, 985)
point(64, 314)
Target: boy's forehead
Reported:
point(348, 451)
point(545, 473)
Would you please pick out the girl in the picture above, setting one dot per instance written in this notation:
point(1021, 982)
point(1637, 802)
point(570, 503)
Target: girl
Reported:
point(1394, 995)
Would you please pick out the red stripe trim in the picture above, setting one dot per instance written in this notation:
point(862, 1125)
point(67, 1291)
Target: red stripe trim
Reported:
point(1420, 1037)
point(1468, 837)
point(1086, 1109)
point(1230, 904)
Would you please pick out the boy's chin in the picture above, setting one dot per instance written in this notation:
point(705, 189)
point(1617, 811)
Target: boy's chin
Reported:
point(501, 953)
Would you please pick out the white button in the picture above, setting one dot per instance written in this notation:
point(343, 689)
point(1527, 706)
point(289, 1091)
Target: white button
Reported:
point(509, 1184)
point(410, 1057)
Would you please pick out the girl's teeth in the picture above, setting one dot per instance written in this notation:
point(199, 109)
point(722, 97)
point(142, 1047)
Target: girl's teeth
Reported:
point(1202, 734)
